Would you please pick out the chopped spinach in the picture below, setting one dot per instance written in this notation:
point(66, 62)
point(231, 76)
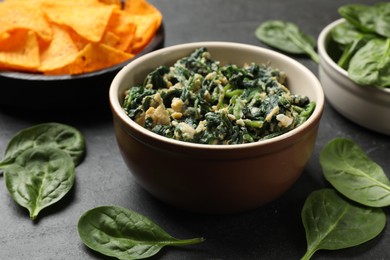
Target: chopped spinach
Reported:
point(199, 100)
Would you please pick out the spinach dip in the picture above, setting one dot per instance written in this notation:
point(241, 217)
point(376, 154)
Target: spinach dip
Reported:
point(201, 101)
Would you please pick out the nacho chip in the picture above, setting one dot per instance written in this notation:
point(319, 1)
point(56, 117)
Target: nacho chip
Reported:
point(94, 57)
point(88, 20)
point(73, 36)
point(24, 15)
point(122, 25)
point(147, 18)
point(112, 2)
point(19, 50)
point(140, 7)
point(111, 39)
point(146, 29)
point(61, 51)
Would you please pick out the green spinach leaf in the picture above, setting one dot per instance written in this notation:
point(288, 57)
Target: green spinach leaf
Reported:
point(39, 177)
point(56, 135)
point(359, 15)
point(332, 222)
point(124, 234)
point(370, 19)
point(353, 174)
point(364, 40)
point(371, 64)
point(350, 40)
point(345, 34)
point(350, 51)
point(287, 37)
point(382, 25)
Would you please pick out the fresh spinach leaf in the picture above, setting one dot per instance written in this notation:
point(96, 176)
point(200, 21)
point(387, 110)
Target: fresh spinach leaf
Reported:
point(56, 135)
point(286, 36)
point(39, 177)
point(333, 222)
point(345, 34)
point(359, 15)
point(118, 232)
point(353, 174)
point(350, 51)
point(382, 25)
point(370, 19)
point(350, 40)
point(371, 64)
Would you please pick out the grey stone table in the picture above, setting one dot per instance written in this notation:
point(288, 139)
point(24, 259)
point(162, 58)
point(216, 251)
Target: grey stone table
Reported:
point(274, 231)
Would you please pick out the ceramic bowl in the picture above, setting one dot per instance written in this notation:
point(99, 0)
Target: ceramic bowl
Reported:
point(366, 106)
point(39, 92)
point(215, 178)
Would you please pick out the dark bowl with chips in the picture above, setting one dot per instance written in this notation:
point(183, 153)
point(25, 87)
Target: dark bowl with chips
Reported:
point(66, 89)
point(64, 92)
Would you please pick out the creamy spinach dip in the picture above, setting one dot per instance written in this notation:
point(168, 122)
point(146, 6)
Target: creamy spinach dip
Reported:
point(201, 101)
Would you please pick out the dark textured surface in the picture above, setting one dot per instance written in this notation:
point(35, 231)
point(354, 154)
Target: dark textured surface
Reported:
point(274, 231)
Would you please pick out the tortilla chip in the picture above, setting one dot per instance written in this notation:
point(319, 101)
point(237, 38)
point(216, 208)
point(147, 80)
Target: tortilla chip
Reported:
point(24, 15)
point(146, 29)
point(88, 20)
point(19, 50)
point(147, 18)
point(94, 57)
point(122, 25)
point(111, 39)
point(112, 2)
point(73, 36)
point(140, 7)
point(61, 51)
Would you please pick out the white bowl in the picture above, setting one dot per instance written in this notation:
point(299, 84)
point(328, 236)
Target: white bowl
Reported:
point(365, 105)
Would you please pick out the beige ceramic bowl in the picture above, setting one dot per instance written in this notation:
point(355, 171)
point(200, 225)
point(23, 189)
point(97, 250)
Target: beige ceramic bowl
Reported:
point(365, 105)
point(215, 178)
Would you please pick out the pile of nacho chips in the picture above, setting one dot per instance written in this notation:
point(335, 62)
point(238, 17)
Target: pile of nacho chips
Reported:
point(73, 36)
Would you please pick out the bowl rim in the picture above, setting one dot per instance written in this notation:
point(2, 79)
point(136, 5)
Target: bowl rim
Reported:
point(306, 126)
point(154, 44)
point(322, 41)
